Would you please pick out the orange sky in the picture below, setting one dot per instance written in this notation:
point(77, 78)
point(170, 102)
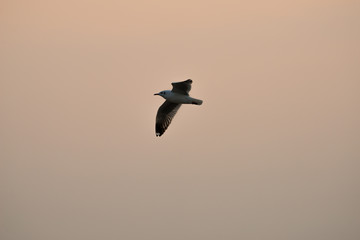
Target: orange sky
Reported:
point(271, 154)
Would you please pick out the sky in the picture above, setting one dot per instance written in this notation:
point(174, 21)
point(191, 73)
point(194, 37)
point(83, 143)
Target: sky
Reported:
point(273, 152)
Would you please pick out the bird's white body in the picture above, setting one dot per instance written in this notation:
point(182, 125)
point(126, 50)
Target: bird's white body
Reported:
point(179, 98)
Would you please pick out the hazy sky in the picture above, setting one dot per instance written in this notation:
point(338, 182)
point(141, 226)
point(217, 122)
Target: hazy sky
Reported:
point(273, 153)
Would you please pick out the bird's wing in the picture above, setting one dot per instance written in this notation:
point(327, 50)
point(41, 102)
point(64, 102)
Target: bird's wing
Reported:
point(164, 116)
point(182, 87)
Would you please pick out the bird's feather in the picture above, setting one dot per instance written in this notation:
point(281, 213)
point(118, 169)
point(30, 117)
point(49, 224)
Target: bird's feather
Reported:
point(182, 87)
point(164, 116)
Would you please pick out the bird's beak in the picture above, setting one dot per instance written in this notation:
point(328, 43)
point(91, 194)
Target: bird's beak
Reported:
point(156, 94)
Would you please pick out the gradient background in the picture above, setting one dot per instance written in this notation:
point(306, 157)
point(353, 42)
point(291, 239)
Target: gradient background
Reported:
point(273, 153)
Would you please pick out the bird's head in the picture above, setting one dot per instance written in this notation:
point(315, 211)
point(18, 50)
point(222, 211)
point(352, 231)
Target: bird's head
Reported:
point(163, 94)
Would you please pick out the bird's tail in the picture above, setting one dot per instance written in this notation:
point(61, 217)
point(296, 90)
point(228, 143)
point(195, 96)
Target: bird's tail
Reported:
point(196, 101)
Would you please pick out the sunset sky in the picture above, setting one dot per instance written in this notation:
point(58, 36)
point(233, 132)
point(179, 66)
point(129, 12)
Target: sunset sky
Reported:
point(273, 153)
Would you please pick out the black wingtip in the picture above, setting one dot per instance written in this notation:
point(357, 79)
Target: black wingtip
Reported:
point(159, 130)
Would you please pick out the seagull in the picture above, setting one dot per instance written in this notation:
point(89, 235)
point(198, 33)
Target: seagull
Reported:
point(174, 98)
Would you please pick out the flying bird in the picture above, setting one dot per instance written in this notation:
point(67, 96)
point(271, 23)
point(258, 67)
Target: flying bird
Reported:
point(174, 99)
